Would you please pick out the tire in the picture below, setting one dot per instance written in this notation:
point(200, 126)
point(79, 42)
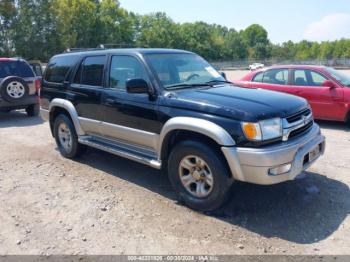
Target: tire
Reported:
point(14, 89)
point(67, 143)
point(33, 110)
point(216, 195)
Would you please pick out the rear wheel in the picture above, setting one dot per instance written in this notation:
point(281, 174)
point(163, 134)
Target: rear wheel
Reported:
point(33, 110)
point(199, 175)
point(67, 138)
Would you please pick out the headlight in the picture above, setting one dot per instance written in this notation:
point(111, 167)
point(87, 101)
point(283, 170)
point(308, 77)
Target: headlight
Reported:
point(263, 130)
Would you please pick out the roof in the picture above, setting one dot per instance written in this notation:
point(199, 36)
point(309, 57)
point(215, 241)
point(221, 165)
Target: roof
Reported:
point(142, 51)
point(294, 67)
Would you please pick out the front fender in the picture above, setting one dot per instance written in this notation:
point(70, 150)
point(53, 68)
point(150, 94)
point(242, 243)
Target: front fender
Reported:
point(202, 126)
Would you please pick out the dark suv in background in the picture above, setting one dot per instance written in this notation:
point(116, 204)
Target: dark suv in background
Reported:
point(19, 86)
point(171, 109)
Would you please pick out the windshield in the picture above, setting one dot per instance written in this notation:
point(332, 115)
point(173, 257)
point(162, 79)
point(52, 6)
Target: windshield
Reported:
point(15, 68)
point(343, 78)
point(185, 70)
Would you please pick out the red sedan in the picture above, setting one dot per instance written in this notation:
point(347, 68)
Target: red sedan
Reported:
point(326, 89)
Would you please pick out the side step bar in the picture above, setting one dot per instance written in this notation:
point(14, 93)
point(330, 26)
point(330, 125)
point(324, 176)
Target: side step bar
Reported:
point(134, 153)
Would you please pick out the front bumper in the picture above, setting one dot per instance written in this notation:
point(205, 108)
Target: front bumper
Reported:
point(253, 164)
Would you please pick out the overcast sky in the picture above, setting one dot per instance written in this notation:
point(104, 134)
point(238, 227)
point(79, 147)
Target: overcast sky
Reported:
point(284, 20)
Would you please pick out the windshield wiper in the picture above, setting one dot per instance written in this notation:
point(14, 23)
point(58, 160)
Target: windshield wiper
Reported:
point(179, 86)
point(219, 82)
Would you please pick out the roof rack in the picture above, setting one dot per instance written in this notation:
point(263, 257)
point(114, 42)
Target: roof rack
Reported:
point(73, 50)
point(100, 47)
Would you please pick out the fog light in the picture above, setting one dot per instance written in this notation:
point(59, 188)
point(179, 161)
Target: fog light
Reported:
point(280, 170)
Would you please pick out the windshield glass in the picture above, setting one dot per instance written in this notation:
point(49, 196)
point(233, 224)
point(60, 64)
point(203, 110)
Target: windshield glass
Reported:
point(186, 70)
point(343, 78)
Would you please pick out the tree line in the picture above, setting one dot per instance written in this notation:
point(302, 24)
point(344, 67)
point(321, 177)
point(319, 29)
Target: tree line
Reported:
point(38, 29)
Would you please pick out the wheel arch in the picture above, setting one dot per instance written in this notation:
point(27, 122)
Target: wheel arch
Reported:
point(195, 128)
point(58, 106)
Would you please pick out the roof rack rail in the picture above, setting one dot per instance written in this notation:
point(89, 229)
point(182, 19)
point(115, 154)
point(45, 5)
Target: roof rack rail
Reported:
point(101, 47)
point(109, 46)
point(73, 50)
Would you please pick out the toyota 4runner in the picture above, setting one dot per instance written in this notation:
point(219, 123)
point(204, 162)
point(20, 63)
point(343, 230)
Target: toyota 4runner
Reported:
point(171, 109)
point(19, 87)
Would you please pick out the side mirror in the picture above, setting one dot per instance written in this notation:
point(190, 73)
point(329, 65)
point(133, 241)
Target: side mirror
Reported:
point(329, 83)
point(137, 86)
point(223, 75)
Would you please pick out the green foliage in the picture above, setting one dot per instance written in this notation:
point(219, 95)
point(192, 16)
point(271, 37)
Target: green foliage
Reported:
point(38, 29)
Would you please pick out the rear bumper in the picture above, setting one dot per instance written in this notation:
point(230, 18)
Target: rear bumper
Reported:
point(254, 164)
point(23, 103)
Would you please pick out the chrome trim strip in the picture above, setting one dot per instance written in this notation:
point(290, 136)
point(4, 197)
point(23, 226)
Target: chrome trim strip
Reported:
point(66, 104)
point(113, 131)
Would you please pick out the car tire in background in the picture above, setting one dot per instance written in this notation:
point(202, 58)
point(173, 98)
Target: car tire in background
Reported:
point(33, 110)
point(67, 138)
point(209, 174)
point(14, 89)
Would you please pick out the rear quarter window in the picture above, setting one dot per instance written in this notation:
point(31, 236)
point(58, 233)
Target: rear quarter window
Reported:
point(15, 68)
point(59, 67)
point(258, 77)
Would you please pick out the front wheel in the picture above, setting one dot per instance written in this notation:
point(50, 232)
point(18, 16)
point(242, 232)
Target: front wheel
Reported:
point(67, 138)
point(199, 175)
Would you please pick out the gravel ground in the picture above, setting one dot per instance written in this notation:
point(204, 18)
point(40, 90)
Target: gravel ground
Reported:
point(103, 204)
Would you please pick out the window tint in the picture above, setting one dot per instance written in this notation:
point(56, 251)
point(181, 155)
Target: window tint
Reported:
point(58, 68)
point(92, 70)
point(258, 77)
point(124, 68)
point(15, 68)
point(300, 78)
point(316, 78)
point(276, 76)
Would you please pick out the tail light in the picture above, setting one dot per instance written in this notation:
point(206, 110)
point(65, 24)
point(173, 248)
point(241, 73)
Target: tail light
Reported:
point(37, 84)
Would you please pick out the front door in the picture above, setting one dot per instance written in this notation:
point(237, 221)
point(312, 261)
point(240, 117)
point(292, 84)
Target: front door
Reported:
point(129, 117)
point(326, 102)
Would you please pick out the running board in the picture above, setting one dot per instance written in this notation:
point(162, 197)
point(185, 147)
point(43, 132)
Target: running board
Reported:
point(134, 153)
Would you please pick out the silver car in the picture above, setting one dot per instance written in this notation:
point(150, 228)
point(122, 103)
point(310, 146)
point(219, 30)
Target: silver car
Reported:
point(19, 86)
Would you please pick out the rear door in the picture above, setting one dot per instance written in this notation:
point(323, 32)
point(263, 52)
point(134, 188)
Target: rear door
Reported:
point(85, 92)
point(326, 103)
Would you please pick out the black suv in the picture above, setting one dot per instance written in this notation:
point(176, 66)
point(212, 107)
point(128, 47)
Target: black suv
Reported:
point(171, 109)
point(19, 87)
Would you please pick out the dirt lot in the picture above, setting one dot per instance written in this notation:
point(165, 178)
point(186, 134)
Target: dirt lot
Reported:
point(104, 204)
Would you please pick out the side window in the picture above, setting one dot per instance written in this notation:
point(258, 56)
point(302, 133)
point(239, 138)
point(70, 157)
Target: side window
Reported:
point(258, 77)
point(124, 68)
point(316, 78)
point(92, 71)
point(276, 77)
point(58, 68)
point(300, 78)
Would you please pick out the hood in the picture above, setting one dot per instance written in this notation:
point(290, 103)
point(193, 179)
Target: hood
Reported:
point(244, 104)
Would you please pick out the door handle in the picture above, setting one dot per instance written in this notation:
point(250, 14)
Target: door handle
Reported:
point(112, 102)
point(299, 92)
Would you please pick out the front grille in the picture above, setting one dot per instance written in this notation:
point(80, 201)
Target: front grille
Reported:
point(297, 124)
point(298, 116)
point(301, 130)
